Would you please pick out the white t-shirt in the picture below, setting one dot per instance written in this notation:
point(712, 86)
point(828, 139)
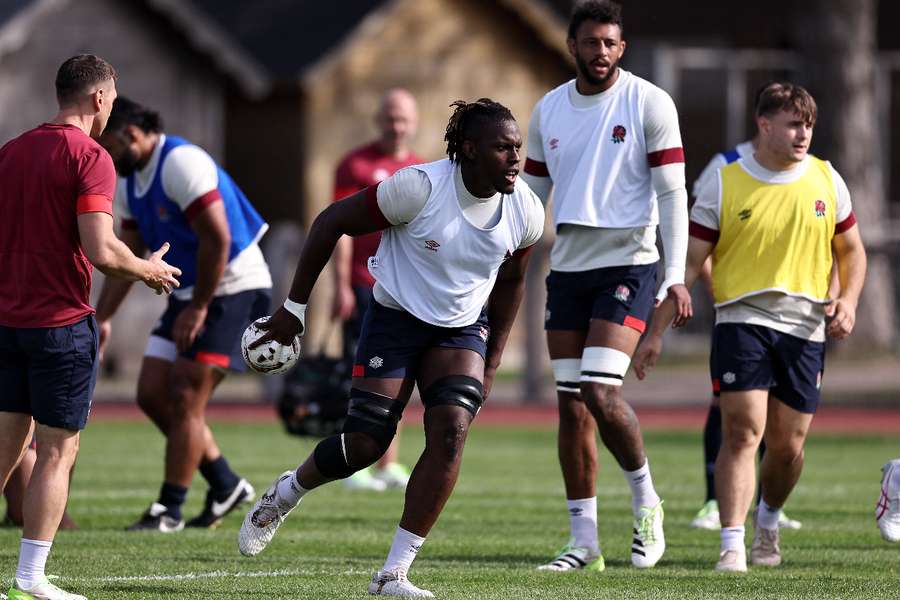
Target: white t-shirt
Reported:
point(610, 158)
point(407, 201)
point(789, 314)
point(189, 173)
point(708, 174)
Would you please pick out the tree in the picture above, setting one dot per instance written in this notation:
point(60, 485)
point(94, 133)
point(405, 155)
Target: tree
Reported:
point(837, 42)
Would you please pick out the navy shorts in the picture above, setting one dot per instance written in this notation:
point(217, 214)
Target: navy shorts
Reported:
point(49, 373)
point(753, 357)
point(393, 341)
point(219, 341)
point(621, 295)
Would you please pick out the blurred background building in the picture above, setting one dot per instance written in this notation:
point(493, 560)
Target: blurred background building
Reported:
point(279, 90)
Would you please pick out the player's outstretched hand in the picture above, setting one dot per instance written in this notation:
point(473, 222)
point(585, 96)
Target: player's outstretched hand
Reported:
point(841, 317)
point(646, 356)
point(282, 327)
point(681, 298)
point(161, 276)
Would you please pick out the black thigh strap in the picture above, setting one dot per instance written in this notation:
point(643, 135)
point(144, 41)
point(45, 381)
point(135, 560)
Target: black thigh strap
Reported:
point(455, 390)
point(375, 408)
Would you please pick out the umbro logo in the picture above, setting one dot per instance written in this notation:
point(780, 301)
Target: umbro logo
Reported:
point(376, 362)
point(432, 245)
point(745, 214)
point(554, 144)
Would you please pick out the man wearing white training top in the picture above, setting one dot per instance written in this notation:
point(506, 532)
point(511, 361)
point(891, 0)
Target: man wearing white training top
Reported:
point(608, 143)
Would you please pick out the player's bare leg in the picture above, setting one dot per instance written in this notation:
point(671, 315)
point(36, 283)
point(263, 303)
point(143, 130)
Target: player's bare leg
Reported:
point(743, 423)
point(785, 434)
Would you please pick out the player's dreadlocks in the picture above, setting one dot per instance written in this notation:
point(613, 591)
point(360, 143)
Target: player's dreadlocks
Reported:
point(468, 118)
point(128, 112)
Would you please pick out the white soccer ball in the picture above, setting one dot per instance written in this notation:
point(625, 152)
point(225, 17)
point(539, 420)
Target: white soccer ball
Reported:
point(270, 358)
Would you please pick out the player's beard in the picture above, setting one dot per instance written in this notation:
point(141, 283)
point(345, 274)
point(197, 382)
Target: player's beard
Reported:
point(127, 163)
point(585, 71)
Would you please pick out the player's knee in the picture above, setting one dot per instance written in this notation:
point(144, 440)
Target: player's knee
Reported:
point(742, 438)
point(455, 390)
point(603, 399)
point(449, 438)
point(374, 415)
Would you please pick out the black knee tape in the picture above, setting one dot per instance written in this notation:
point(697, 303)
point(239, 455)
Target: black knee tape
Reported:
point(375, 415)
point(331, 458)
point(455, 390)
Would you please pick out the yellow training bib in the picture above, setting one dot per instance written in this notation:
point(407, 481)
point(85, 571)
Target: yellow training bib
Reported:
point(774, 236)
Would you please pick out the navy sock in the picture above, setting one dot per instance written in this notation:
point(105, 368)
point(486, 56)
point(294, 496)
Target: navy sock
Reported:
point(172, 497)
point(712, 441)
point(220, 477)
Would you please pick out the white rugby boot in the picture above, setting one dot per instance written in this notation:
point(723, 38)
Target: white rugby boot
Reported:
point(395, 583)
point(263, 520)
point(887, 510)
point(649, 542)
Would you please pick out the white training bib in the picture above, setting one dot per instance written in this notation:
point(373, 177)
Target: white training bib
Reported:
point(441, 268)
point(597, 157)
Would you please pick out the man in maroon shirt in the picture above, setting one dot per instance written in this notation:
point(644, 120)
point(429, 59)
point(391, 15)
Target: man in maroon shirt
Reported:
point(365, 166)
point(56, 201)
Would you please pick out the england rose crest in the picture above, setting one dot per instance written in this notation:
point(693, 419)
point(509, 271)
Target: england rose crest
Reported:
point(820, 208)
point(622, 293)
point(618, 134)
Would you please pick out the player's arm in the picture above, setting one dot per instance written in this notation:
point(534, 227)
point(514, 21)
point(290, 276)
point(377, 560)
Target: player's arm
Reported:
point(342, 260)
point(665, 157)
point(357, 215)
point(535, 172)
point(114, 259)
point(503, 305)
point(851, 266)
point(210, 225)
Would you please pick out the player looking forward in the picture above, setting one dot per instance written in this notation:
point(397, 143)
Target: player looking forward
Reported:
point(608, 145)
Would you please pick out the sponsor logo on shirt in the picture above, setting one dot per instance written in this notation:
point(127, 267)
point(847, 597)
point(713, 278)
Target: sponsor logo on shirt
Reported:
point(618, 134)
point(820, 208)
point(432, 245)
point(554, 144)
point(622, 293)
point(745, 214)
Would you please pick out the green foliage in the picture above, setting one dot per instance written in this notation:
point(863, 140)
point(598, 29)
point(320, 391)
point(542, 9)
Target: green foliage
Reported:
point(506, 516)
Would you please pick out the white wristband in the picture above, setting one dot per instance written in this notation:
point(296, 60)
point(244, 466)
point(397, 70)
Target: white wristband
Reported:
point(296, 309)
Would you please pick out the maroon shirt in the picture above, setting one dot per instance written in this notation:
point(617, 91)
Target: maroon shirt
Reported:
point(360, 169)
point(48, 176)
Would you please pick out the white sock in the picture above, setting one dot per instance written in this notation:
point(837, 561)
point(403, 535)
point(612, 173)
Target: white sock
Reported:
point(642, 492)
point(583, 522)
point(290, 491)
point(32, 559)
point(767, 516)
point(404, 549)
point(733, 539)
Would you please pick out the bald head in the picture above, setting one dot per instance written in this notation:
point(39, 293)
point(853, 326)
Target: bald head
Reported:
point(396, 119)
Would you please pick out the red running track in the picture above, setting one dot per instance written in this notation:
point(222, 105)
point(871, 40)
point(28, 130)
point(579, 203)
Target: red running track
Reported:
point(839, 420)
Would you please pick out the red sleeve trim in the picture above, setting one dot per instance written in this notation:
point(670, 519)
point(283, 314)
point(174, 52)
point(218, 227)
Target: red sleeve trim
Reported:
point(196, 207)
point(846, 224)
point(536, 168)
point(378, 218)
point(93, 203)
point(524, 251)
point(665, 157)
point(129, 224)
point(704, 233)
point(341, 192)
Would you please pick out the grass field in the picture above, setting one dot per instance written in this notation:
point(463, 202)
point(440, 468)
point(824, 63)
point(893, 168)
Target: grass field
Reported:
point(506, 516)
